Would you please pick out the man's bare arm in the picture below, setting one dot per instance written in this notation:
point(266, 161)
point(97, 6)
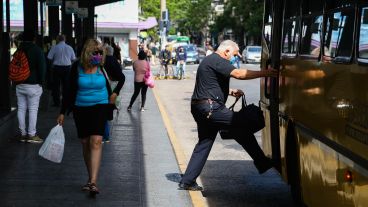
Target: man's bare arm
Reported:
point(245, 74)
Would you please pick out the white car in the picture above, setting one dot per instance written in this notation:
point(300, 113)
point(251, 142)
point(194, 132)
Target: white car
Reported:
point(252, 54)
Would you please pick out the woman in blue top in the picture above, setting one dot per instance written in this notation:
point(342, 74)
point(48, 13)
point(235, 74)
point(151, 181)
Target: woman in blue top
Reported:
point(91, 99)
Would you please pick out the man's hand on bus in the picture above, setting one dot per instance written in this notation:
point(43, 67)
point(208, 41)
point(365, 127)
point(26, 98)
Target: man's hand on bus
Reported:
point(270, 72)
point(236, 93)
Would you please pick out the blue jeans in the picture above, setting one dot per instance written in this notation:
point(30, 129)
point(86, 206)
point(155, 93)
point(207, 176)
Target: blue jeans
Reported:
point(177, 68)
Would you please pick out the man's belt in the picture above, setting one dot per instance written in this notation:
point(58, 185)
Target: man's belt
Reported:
point(202, 101)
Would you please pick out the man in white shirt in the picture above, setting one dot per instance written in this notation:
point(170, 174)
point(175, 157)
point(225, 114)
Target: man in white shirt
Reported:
point(62, 56)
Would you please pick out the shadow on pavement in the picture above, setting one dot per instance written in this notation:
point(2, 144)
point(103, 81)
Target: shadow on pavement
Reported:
point(239, 182)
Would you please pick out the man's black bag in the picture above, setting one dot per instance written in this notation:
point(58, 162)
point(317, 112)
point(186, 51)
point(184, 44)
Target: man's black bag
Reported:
point(249, 118)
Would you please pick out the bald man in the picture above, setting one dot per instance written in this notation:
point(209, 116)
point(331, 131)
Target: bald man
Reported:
point(209, 111)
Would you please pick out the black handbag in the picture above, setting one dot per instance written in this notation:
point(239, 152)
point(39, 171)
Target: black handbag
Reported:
point(249, 118)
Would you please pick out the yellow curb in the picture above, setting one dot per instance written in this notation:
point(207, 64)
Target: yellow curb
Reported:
point(196, 196)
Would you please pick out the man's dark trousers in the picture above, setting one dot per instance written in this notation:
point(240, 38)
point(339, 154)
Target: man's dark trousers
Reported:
point(221, 118)
point(60, 77)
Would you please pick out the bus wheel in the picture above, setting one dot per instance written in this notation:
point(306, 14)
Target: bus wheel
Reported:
point(293, 166)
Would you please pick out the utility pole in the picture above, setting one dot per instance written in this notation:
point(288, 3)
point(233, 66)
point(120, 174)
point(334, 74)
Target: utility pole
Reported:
point(164, 17)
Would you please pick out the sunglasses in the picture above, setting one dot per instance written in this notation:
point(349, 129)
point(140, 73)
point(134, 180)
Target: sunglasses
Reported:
point(97, 52)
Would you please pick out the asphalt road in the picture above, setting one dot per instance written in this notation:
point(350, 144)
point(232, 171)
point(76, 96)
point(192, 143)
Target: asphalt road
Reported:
point(229, 177)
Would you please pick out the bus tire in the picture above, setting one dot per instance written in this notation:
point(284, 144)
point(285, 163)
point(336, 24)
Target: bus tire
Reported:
point(293, 166)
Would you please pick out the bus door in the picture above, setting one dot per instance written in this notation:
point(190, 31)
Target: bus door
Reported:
point(269, 86)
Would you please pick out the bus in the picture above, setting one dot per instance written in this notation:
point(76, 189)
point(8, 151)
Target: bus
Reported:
point(316, 111)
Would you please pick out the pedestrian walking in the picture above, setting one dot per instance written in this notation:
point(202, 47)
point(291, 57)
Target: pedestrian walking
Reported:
point(90, 98)
point(154, 54)
point(209, 111)
point(149, 54)
point(140, 67)
point(209, 50)
point(29, 91)
point(117, 51)
point(117, 78)
point(181, 58)
point(62, 55)
point(165, 57)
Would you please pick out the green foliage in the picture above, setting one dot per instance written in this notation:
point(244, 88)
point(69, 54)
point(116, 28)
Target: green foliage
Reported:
point(244, 17)
point(150, 8)
point(186, 16)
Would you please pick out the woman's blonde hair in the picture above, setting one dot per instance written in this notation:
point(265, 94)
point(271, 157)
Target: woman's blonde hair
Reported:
point(90, 46)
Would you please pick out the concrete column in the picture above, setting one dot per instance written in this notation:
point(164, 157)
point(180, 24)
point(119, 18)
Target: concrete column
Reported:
point(133, 44)
point(4, 62)
point(30, 12)
point(54, 22)
point(66, 25)
point(90, 22)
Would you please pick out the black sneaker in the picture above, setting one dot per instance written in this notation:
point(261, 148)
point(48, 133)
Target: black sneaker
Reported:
point(192, 187)
point(264, 166)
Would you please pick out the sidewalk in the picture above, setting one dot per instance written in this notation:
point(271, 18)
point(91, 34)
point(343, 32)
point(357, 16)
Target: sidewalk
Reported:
point(134, 169)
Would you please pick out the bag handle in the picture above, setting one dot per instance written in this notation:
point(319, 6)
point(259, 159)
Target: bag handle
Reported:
point(233, 105)
point(244, 102)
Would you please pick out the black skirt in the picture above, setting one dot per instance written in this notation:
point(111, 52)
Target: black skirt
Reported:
point(90, 120)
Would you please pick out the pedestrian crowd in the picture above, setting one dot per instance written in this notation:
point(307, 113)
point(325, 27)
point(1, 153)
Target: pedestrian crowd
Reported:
point(88, 86)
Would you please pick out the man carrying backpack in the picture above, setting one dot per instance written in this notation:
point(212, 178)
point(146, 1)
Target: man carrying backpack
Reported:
point(29, 90)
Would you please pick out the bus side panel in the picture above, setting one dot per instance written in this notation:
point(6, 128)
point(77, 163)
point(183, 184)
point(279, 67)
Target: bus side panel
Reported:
point(323, 175)
point(283, 125)
point(266, 132)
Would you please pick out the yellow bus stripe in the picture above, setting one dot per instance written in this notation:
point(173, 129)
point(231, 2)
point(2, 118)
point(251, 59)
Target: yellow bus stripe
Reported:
point(197, 198)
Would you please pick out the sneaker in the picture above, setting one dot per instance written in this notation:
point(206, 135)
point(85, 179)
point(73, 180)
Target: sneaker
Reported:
point(129, 108)
point(264, 166)
point(142, 109)
point(35, 139)
point(20, 138)
point(192, 187)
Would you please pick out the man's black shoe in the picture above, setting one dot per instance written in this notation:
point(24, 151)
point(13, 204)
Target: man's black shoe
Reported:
point(192, 187)
point(264, 166)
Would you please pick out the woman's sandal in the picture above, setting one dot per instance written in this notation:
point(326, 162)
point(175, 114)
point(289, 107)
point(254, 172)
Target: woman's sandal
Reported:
point(86, 187)
point(93, 190)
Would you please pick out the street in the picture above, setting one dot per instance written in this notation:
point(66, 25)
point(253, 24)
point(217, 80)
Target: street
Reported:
point(229, 177)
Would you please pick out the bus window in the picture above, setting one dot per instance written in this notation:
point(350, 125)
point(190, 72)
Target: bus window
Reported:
point(290, 37)
point(363, 36)
point(339, 34)
point(267, 30)
point(291, 27)
point(311, 36)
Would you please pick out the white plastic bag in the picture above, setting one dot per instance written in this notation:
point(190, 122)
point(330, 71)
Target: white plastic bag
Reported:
point(53, 147)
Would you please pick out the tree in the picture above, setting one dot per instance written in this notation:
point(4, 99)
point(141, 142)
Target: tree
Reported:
point(243, 17)
point(151, 8)
point(190, 17)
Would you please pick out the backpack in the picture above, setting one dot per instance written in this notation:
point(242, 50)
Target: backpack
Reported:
point(19, 67)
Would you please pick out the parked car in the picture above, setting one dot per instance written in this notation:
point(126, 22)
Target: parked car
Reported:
point(192, 54)
point(252, 54)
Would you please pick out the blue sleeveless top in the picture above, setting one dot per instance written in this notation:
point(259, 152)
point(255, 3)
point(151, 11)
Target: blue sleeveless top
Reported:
point(91, 89)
